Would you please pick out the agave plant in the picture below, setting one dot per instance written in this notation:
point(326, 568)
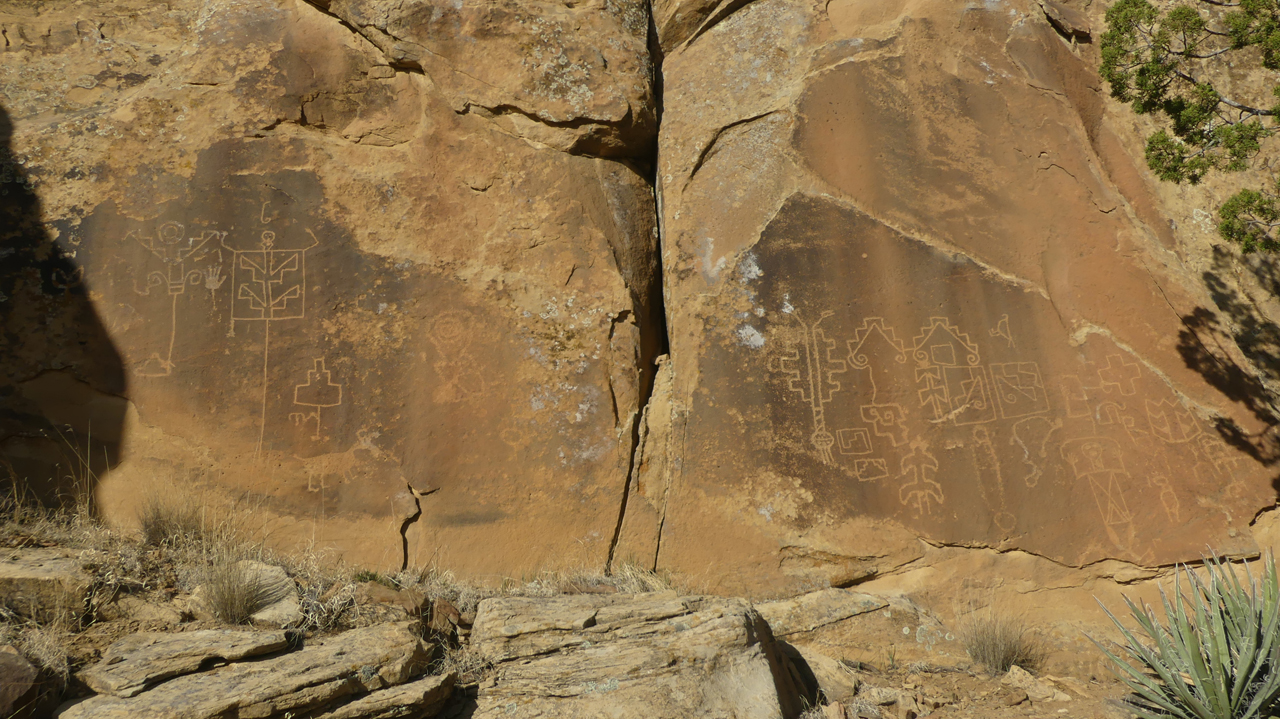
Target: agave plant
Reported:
point(1217, 656)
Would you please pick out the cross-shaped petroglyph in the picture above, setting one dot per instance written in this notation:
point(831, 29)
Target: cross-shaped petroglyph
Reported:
point(318, 392)
point(1121, 373)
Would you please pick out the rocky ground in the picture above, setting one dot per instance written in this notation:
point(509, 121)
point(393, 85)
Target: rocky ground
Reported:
point(102, 625)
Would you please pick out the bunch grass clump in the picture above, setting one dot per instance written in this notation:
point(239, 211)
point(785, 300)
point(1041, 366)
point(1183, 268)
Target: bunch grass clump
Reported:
point(232, 589)
point(1217, 654)
point(167, 523)
point(1000, 641)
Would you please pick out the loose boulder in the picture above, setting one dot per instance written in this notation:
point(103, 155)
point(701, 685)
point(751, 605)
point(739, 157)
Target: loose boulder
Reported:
point(45, 585)
point(19, 684)
point(655, 656)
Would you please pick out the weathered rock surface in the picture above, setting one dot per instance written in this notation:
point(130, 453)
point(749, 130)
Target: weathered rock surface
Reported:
point(277, 594)
point(328, 254)
point(1037, 690)
point(816, 609)
point(421, 698)
point(19, 684)
point(919, 290)
point(574, 77)
point(139, 610)
point(941, 304)
point(130, 665)
point(654, 655)
point(45, 585)
point(341, 667)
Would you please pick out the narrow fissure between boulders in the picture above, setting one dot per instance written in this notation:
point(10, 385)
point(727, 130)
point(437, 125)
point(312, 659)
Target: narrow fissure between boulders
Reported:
point(656, 319)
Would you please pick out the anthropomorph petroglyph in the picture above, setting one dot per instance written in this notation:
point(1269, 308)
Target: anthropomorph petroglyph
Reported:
point(456, 367)
point(177, 251)
point(269, 284)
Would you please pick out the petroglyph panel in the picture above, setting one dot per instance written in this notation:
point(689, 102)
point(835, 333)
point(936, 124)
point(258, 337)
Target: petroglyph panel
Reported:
point(288, 363)
point(964, 410)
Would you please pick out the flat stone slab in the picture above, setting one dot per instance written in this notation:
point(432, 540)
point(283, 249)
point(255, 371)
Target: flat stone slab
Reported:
point(817, 609)
point(45, 585)
point(132, 664)
point(350, 664)
point(421, 698)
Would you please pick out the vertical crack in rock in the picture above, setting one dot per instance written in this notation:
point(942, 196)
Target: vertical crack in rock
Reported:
point(653, 325)
point(410, 499)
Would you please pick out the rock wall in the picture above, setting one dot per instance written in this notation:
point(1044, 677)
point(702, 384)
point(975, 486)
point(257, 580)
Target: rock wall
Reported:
point(338, 266)
point(390, 276)
point(918, 294)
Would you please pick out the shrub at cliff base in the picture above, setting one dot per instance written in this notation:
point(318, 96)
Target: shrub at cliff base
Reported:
point(1216, 656)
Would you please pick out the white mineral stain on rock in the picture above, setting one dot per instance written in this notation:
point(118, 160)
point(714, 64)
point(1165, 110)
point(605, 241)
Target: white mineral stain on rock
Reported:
point(750, 336)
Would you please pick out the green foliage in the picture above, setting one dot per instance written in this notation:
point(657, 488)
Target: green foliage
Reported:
point(1250, 219)
point(1217, 656)
point(368, 575)
point(1158, 61)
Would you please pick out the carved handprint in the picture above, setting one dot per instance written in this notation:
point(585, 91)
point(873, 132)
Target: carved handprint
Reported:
point(213, 277)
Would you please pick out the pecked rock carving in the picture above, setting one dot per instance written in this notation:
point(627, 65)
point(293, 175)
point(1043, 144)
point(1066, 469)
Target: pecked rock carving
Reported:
point(913, 285)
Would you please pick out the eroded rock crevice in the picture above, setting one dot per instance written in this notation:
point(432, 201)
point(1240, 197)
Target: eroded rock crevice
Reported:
point(655, 341)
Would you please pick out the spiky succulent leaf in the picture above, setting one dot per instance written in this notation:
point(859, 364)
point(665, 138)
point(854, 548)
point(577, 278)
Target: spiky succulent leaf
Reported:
point(1216, 655)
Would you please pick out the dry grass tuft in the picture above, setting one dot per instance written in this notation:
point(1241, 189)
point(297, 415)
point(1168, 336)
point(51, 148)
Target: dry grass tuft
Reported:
point(470, 665)
point(631, 579)
point(999, 641)
point(44, 647)
point(232, 591)
point(862, 707)
point(625, 579)
point(814, 712)
point(167, 523)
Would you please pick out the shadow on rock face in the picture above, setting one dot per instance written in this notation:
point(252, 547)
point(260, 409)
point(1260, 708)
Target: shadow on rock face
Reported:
point(62, 381)
point(1207, 342)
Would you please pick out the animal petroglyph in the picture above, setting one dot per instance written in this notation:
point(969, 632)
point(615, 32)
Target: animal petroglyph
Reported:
point(1031, 435)
point(1001, 330)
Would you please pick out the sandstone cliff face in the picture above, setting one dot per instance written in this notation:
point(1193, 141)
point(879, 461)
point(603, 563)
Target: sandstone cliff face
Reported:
point(916, 289)
point(323, 259)
point(340, 267)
